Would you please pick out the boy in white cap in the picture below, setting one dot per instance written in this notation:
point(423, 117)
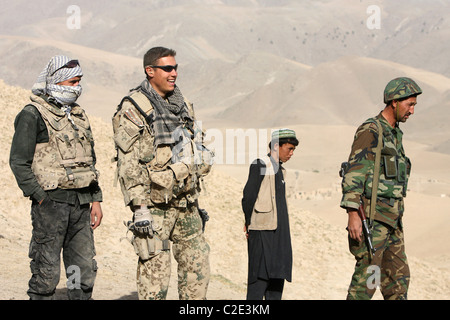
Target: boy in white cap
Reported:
point(267, 221)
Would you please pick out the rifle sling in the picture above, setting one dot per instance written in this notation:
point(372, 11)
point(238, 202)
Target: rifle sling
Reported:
point(376, 173)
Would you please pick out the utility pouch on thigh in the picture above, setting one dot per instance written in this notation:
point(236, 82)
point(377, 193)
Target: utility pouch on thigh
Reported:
point(146, 247)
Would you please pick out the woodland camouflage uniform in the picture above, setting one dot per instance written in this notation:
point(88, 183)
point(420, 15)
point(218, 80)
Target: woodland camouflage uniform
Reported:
point(388, 267)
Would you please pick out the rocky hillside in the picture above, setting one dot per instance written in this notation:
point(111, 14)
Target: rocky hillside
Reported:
point(322, 265)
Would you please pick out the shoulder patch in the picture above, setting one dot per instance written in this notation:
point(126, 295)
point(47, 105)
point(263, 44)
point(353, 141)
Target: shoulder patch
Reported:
point(133, 117)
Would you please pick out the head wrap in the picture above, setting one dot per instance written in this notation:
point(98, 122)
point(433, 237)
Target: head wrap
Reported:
point(55, 72)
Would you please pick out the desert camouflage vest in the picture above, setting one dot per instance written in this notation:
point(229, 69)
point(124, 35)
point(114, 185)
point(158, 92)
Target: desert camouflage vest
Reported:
point(168, 180)
point(395, 166)
point(66, 160)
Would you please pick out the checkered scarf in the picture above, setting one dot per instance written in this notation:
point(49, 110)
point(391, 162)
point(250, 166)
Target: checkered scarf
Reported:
point(46, 83)
point(170, 114)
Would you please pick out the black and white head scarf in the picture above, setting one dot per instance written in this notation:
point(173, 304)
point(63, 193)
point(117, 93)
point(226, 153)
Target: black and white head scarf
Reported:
point(46, 83)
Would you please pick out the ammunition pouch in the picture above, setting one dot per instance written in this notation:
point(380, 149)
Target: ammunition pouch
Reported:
point(167, 184)
point(207, 160)
point(147, 247)
point(66, 161)
point(161, 186)
point(182, 176)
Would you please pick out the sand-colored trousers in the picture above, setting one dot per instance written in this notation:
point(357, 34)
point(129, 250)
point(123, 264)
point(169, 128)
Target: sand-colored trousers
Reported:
point(190, 250)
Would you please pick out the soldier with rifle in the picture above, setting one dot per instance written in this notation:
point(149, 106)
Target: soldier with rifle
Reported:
point(374, 181)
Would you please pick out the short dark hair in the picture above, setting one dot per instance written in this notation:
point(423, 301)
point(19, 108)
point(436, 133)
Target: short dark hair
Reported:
point(390, 103)
point(282, 141)
point(152, 55)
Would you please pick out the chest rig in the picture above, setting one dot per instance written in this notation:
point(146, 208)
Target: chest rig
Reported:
point(395, 167)
point(66, 161)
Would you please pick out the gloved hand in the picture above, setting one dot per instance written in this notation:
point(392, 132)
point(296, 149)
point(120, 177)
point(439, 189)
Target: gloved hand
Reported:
point(143, 220)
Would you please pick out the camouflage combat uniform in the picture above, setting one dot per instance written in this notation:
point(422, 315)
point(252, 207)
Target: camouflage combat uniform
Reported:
point(388, 267)
point(148, 177)
point(387, 228)
point(53, 161)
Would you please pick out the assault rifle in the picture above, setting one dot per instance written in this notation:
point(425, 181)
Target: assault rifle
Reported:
point(366, 229)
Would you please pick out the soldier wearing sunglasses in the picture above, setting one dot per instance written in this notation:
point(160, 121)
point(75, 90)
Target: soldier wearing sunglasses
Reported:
point(161, 161)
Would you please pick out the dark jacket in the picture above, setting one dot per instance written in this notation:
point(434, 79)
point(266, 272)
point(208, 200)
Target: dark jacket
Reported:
point(269, 251)
point(30, 129)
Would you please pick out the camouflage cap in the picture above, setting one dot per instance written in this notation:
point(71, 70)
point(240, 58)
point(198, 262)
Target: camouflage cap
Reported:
point(400, 88)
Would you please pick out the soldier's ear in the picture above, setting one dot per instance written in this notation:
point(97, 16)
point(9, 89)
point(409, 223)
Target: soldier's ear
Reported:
point(149, 71)
point(394, 103)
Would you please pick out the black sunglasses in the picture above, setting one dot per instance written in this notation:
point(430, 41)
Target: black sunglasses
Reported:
point(71, 64)
point(167, 68)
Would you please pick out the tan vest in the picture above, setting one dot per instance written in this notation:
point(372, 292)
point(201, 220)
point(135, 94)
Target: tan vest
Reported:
point(264, 215)
point(166, 180)
point(66, 160)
